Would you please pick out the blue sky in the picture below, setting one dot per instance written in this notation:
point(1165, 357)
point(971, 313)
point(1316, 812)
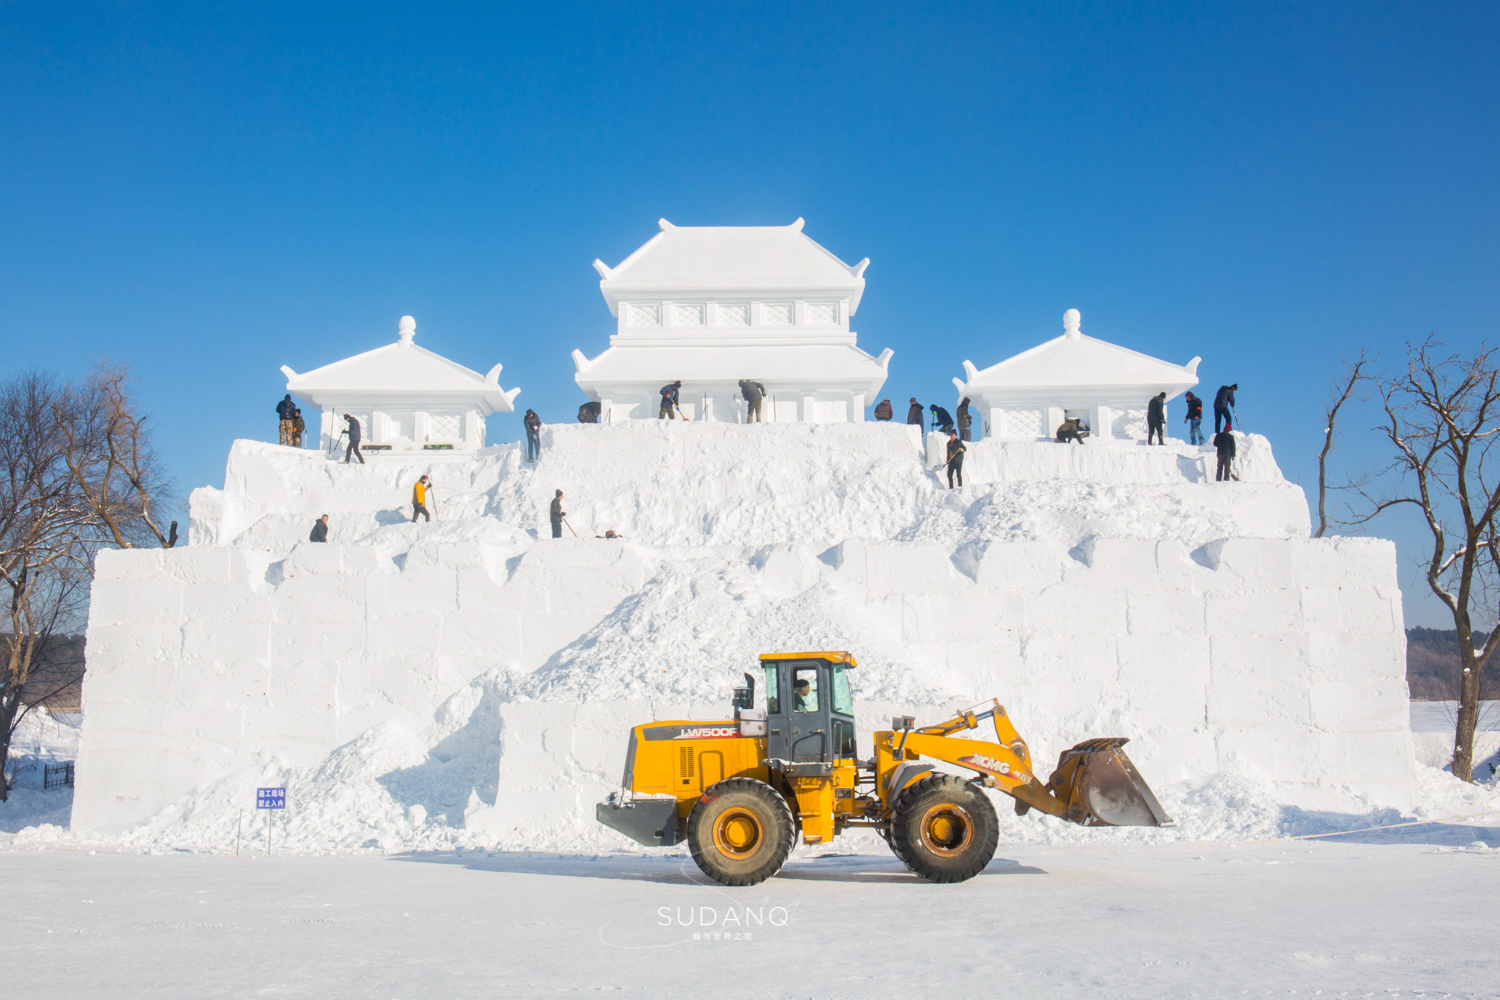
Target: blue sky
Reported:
point(209, 193)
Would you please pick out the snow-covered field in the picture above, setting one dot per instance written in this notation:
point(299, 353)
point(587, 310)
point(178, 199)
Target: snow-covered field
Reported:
point(1440, 716)
point(1353, 918)
point(438, 699)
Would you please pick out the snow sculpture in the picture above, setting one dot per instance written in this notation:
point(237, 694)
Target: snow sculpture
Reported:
point(712, 305)
point(406, 398)
point(1026, 397)
point(470, 680)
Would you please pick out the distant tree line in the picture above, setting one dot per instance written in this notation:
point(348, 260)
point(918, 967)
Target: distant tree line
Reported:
point(1433, 670)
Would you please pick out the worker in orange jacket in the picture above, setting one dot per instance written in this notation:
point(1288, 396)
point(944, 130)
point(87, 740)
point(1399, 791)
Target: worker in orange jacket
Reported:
point(419, 501)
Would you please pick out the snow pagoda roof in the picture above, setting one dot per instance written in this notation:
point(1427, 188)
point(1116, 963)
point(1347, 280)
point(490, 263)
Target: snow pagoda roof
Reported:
point(1076, 362)
point(730, 260)
point(403, 371)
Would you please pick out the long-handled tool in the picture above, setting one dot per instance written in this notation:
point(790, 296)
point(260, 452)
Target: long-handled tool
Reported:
point(570, 527)
point(679, 412)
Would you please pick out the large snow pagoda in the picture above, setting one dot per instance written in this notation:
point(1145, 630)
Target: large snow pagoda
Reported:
point(712, 305)
point(1026, 397)
point(407, 398)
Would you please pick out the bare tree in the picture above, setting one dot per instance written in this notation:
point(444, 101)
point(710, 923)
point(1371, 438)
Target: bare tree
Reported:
point(108, 450)
point(40, 522)
point(79, 475)
point(1440, 418)
point(1338, 394)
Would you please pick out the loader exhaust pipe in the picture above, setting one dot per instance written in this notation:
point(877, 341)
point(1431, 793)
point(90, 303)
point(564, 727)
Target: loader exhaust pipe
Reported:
point(1101, 787)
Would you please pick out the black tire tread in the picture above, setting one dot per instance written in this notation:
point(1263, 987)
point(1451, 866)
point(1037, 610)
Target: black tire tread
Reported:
point(777, 805)
point(954, 788)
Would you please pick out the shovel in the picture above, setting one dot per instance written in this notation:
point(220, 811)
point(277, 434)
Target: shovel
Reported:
point(1102, 787)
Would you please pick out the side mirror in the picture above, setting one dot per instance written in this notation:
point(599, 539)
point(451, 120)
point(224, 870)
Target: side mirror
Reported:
point(744, 697)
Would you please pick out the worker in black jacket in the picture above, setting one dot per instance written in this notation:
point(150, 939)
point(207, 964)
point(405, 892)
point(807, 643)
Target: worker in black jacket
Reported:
point(965, 420)
point(1194, 419)
point(1223, 405)
point(1224, 442)
point(320, 530)
point(557, 514)
point(753, 392)
point(533, 425)
point(354, 436)
point(669, 401)
point(942, 420)
point(883, 409)
point(914, 414)
point(1156, 418)
point(284, 412)
point(956, 451)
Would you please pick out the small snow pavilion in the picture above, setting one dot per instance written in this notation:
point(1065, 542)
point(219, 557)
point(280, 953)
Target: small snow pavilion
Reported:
point(407, 398)
point(712, 305)
point(1026, 397)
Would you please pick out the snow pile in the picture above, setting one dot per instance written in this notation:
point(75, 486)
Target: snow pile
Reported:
point(470, 681)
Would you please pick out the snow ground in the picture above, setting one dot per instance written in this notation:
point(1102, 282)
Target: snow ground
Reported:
point(1353, 918)
point(1440, 716)
point(39, 740)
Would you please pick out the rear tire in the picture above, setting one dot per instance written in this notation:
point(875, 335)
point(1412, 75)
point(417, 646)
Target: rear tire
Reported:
point(740, 831)
point(945, 829)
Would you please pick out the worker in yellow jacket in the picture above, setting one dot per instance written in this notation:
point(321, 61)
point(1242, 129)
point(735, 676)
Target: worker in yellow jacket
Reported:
point(419, 501)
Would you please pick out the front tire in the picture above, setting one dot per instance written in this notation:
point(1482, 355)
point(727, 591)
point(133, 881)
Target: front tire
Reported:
point(740, 831)
point(945, 829)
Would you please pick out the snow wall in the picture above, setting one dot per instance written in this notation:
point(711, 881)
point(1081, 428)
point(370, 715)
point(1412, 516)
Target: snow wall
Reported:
point(473, 678)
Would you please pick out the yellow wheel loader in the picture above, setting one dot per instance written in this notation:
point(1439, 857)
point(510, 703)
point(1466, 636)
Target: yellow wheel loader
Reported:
point(740, 791)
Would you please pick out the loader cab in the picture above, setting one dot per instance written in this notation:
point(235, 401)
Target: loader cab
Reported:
point(809, 707)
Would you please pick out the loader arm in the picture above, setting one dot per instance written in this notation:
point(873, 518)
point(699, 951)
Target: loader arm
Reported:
point(1001, 767)
point(1094, 782)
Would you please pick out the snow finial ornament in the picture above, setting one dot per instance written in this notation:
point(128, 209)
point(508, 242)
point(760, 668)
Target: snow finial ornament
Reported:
point(1071, 319)
point(407, 330)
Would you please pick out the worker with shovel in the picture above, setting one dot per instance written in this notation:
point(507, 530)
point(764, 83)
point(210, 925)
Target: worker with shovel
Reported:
point(956, 449)
point(419, 500)
point(557, 515)
point(1224, 445)
point(669, 401)
point(1224, 406)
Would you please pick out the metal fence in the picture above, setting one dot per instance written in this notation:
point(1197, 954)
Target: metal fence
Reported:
point(57, 776)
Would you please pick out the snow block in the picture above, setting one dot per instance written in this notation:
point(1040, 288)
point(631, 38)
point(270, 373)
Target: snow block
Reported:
point(475, 674)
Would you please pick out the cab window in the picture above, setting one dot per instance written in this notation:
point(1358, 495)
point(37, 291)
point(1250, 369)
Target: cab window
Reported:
point(843, 700)
point(843, 738)
point(773, 694)
point(805, 689)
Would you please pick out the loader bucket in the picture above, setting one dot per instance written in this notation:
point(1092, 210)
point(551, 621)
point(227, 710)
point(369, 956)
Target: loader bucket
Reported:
point(1101, 787)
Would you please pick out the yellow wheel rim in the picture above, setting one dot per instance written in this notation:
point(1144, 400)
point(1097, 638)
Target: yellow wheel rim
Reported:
point(946, 829)
point(737, 833)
